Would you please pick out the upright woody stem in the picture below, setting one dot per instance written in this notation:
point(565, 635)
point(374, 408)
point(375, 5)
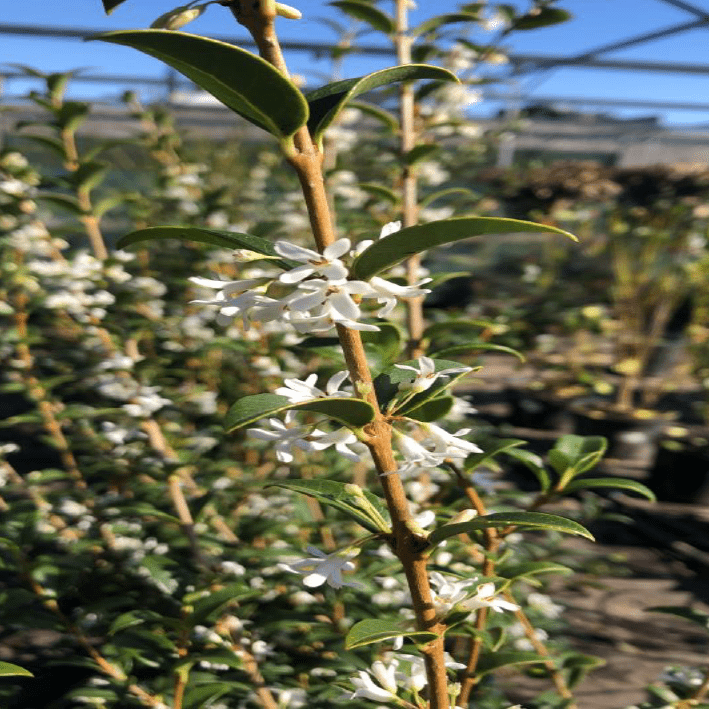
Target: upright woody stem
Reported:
point(409, 186)
point(407, 541)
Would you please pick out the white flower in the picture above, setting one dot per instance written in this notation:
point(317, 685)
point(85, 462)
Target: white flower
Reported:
point(449, 445)
point(385, 691)
point(323, 568)
point(326, 264)
point(426, 374)
point(449, 592)
point(285, 436)
point(342, 439)
point(485, 598)
point(414, 453)
point(318, 304)
point(298, 391)
point(387, 230)
point(233, 297)
point(389, 293)
point(416, 678)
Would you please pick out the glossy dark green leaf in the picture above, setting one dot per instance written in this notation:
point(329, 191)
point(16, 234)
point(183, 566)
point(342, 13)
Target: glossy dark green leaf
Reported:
point(457, 327)
point(479, 347)
point(490, 662)
point(534, 464)
point(214, 237)
point(368, 13)
point(542, 17)
point(351, 412)
point(619, 483)
point(198, 696)
point(400, 245)
point(374, 630)
point(7, 669)
point(432, 410)
point(56, 145)
point(387, 384)
point(71, 115)
point(573, 455)
point(523, 520)
point(361, 505)
point(441, 20)
point(327, 101)
point(242, 81)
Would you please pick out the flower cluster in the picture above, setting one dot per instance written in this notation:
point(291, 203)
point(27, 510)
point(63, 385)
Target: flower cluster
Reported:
point(323, 294)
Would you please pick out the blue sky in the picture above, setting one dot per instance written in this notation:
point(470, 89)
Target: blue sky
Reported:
point(595, 22)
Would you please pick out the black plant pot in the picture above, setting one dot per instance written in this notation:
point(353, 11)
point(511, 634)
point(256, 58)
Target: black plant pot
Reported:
point(680, 472)
point(629, 437)
point(540, 409)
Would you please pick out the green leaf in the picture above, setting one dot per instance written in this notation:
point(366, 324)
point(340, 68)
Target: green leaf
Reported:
point(65, 201)
point(374, 630)
point(56, 145)
point(367, 13)
point(386, 385)
point(532, 568)
point(198, 696)
point(525, 520)
point(491, 448)
point(350, 412)
point(573, 455)
point(214, 237)
point(89, 175)
point(436, 22)
point(448, 191)
point(621, 483)
point(387, 119)
point(380, 191)
point(701, 618)
point(71, 115)
point(494, 661)
point(110, 5)
point(400, 245)
point(534, 464)
point(243, 82)
point(541, 17)
point(361, 505)
point(473, 346)
point(7, 669)
point(327, 101)
point(433, 409)
point(419, 153)
point(213, 602)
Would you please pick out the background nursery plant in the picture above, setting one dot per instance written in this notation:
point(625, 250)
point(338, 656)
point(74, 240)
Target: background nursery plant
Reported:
point(170, 565)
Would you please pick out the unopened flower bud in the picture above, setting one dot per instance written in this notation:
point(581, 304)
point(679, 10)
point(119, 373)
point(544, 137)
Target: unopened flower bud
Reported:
point(245, 255)
point(177, 18)
point(290, 13)
point(463, 516)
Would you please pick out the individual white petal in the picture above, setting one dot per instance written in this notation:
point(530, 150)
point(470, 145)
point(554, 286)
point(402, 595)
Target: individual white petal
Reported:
point(344, 306)
point(334, 382)
point(336, 249)
point(389, 229)
point(295, 252)
point(297, 274)
point(335, 271)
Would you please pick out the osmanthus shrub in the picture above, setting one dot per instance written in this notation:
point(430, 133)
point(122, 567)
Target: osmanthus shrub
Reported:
point(180, 562)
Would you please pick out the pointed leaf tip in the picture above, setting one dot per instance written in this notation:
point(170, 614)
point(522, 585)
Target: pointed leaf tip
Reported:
point(400, 245)
point(242, 81)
